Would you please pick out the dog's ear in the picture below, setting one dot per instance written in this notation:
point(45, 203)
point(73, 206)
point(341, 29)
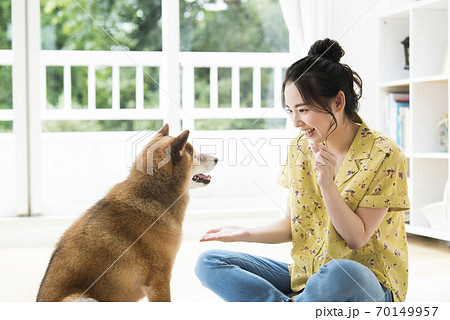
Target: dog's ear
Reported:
point(164, 130)
point(178, 144)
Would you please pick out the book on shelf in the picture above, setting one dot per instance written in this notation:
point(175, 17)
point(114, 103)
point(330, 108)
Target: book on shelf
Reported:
point(397, 118)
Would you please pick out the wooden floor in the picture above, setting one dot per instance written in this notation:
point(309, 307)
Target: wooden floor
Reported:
point(429, 265)
point(22, 268)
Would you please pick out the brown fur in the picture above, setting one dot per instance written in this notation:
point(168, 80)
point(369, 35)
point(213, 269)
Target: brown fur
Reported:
point(99, 252)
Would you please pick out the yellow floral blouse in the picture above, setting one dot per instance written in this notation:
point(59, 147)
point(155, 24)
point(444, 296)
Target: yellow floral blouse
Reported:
point(372, 175)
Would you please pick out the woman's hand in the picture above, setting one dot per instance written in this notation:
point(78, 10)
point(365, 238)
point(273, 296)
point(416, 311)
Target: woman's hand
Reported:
point(325, 163)
point(278, 231)
point(226, 234)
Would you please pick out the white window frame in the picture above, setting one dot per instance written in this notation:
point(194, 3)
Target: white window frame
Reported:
point(26, 45)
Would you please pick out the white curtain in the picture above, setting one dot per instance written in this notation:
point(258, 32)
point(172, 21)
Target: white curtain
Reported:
point(307, 21)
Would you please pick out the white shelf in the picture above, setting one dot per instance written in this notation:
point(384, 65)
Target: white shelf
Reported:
point(426, 25)
point(407, 82)
point(396, 83)
point(435, 78)
point(428, 155)
point(428, 232)
point(431, 5)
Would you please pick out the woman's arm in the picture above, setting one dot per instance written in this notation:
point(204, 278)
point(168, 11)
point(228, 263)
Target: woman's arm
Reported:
point(355, 228)
point(278, 231)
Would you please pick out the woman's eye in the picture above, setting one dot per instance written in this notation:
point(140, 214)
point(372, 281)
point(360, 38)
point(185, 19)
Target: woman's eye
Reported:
point(287, 110)
point(302, 110)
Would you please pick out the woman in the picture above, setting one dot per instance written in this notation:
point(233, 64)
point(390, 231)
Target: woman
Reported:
point(347, 190)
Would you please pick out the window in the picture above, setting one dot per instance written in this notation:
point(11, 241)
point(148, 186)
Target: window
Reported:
point(7, 138)
point(234, 26)
point(107, 26)
point(88, 83)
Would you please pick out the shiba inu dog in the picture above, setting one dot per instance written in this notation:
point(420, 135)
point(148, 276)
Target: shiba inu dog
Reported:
point(123, 248)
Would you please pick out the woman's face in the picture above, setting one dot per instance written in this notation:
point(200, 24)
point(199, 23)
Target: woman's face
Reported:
point(313, 124)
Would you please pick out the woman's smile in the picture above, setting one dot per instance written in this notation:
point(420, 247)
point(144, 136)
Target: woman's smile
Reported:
point(308, 132)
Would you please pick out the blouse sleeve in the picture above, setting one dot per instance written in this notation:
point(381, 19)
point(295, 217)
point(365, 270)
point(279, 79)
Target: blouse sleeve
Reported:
point(283, 176)
point(283, 180)
point(389, 188)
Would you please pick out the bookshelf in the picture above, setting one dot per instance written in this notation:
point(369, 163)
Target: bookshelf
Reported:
point(426, 23)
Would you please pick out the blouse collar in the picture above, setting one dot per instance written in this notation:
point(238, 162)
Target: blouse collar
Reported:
point(359, 149)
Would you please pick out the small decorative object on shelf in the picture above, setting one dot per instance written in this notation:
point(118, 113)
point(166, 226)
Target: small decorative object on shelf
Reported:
point(437, 212)
point(435, 215)
point(443, 133)
point(405, 44)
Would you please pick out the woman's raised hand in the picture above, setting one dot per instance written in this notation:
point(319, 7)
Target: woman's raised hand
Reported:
point(226, 234)
point(325, 163)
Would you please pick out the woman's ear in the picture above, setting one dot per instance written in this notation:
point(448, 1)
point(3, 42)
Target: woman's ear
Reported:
point(339, 102)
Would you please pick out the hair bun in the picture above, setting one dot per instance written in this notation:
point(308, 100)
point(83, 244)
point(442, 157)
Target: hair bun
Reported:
point(327, 49)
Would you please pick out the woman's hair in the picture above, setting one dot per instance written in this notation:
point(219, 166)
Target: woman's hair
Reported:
point(320, 76)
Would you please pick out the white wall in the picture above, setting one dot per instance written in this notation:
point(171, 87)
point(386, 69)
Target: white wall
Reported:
point(355, 27)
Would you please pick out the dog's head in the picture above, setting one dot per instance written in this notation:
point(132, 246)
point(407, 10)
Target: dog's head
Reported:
point(174, 160)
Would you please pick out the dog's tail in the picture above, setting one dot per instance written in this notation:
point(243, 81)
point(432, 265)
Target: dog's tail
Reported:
point(54, 254)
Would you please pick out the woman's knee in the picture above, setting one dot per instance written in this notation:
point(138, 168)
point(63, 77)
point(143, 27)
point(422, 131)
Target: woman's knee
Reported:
point(344, 268)
point(205, 259)
point(347, 273)
point(207, 262)
point(340, 280)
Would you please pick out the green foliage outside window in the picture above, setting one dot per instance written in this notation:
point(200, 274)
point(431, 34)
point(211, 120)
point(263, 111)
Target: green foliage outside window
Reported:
point(5, 71)
point(135, 25)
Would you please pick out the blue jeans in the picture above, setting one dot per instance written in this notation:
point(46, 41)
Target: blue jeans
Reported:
point(237, 276)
